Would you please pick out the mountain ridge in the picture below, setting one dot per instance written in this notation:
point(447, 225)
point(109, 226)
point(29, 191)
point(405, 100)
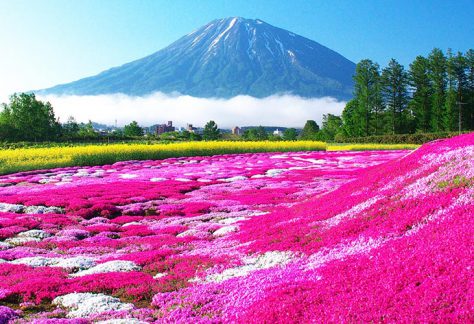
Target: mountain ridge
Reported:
point(224, 58)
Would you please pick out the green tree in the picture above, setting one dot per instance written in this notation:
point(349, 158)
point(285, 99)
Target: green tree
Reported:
point(133, 129)
point(420, 103)
point(394, 91)
point(261, 133)
point(367, 92)
point(6, 129)
point(450, 116)
point(87, 130)
point(378, 125)
point(460, 67)
point(332, 125)
point(469, 61)
point(290, 134)
point(274, 138)
point(211, 131)
point(249, 134)
point(185, 135)
point(117, 132)
point(26, 118)
point(310, 130)
point(195, 137)
point(437, 61)
point(171, 136)
point(255, 134)
point(351, 127)
point(70, 128)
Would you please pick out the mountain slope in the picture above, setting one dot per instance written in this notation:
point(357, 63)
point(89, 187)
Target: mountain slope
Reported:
point(225, 58)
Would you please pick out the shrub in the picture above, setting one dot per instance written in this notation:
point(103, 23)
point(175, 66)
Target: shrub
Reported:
point(419, 138)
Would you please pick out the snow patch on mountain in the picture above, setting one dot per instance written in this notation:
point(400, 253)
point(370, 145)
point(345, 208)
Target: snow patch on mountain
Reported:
point(218, 38)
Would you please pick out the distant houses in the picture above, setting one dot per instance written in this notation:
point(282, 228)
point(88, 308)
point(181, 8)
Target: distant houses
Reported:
point(165, 128)
point(236, 131)
point(168, 127)
point(190, 128)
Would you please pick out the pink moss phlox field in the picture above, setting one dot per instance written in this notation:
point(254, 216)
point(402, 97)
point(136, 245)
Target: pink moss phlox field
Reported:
point(374, 236)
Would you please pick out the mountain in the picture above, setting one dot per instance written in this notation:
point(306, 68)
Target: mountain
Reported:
point(225, 58)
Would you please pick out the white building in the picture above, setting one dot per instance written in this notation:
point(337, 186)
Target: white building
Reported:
point(278, 132)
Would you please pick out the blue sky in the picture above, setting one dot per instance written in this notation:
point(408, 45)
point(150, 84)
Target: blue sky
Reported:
point(45, 42)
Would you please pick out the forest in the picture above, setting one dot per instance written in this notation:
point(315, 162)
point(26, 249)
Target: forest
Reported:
point(435, 94)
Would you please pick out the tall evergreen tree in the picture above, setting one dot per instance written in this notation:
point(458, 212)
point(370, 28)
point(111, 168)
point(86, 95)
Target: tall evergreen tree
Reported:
point(367, 95)
point(211, 131)
point(462, 117)
point(450, 116)
point(420, 104)
point(469, 61)
point(457, 92)
point(394, 91)
point(310, 130)
point(437, 61)
point(7, 130)
point(331, 126)
point(378, 108)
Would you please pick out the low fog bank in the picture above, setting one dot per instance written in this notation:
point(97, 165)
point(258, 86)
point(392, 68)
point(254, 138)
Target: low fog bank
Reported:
point(277, 110)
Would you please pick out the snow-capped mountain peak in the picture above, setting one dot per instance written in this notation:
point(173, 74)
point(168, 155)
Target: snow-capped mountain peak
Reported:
point(228, 57)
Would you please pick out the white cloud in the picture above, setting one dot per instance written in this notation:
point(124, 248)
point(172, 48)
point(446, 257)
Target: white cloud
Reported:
point(4, 96)
point(277, 110)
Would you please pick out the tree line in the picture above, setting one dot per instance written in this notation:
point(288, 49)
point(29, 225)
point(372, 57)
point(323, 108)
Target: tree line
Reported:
point(435, 94)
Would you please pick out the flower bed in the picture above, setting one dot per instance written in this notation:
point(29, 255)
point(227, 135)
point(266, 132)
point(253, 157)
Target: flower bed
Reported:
point(264, 237)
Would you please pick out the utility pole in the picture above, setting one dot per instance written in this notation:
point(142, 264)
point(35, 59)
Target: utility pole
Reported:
point(459, 103)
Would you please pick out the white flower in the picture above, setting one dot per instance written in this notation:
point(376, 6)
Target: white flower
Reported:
point(110, 266)
point(225, 230)
point(87, 304)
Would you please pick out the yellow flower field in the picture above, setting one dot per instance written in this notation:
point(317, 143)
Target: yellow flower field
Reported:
point(44, 158)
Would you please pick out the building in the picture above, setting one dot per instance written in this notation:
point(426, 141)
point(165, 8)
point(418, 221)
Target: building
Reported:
point(190, 128)
point(278, 132)
point(165, 128)
point(236, 131)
